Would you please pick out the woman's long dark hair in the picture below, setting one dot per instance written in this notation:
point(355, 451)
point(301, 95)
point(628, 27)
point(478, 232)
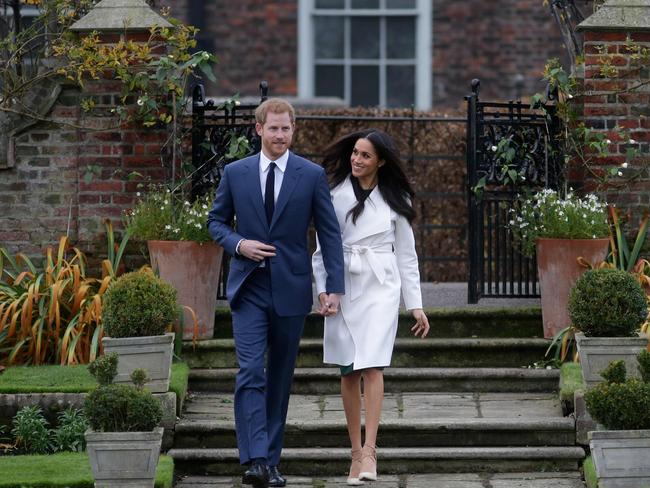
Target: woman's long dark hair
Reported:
point(392, 181)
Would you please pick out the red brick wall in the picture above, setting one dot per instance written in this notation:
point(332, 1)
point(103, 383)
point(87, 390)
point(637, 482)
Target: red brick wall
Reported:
point(615, 102)
point(253, 40)
point(45, 195)
point(493, 41)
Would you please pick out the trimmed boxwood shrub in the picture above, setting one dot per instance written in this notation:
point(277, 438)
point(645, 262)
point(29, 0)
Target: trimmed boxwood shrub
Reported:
point(621, 405)
point(138, 304)
point(120, 408)
point(607, 303)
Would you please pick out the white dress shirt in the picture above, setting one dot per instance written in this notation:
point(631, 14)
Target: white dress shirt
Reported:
point(281, 163)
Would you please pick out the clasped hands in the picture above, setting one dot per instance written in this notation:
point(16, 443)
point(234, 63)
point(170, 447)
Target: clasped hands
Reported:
point(329, 304)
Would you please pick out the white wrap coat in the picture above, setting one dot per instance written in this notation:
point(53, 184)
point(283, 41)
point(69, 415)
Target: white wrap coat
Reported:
point(380, 259)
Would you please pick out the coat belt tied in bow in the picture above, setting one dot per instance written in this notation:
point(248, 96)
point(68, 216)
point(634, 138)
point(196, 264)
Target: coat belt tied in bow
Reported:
point(356, 265)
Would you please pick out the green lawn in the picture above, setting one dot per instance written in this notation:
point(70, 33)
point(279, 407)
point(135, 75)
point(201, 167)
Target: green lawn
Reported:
point(70, 379)
point(66, 469)
point(590, 473)
point(570, 381)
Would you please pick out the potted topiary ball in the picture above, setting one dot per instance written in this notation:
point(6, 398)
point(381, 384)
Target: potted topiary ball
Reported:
point(608, 307)
point(124, 438)
point(621, 452)
point(137, 311)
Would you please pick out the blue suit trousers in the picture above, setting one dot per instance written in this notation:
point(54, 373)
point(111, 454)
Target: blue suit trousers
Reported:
point(263, 384)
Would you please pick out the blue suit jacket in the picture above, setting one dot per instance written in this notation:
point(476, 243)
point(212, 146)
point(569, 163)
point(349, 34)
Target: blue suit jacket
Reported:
point(304, 196)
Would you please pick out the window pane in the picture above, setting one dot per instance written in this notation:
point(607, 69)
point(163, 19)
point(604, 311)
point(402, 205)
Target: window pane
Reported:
point(329, 81)
point(400, 86)
point(328, 37)
point(330, 3)
point(400, 3)
point(365, 4)
point(365, 37)
point(365, 86)
point(400, 37)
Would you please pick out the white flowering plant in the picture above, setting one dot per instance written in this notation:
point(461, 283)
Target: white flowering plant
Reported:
point(547, 214)
point(166, 216)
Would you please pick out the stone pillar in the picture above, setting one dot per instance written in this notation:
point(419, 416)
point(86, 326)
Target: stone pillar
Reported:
point(622, 99)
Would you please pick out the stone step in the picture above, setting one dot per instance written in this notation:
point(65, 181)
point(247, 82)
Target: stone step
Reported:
point(408, 352)
point(334, 461)
point(327, 380)
point(394, 433)
point(562, 479)
point(408, 420)
point(461, 322)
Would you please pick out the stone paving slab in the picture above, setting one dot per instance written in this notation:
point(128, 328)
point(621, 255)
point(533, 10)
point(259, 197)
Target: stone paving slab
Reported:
point(216, 406)
point(438, 480)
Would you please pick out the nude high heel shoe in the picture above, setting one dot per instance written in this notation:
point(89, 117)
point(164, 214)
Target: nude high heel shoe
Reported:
point(355, 469)
point(368, 463)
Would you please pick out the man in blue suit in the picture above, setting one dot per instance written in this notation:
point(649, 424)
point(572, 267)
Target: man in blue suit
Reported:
point(273, 197)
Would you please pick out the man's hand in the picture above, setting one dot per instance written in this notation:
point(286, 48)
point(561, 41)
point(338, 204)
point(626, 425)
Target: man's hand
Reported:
point(329, 304)
point(256, 250)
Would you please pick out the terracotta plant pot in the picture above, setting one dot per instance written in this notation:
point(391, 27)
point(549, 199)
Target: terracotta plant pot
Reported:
point(193, 269)
point(558, 270)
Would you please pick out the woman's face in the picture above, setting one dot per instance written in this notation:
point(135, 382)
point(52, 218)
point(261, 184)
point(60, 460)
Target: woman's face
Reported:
point(365, 162)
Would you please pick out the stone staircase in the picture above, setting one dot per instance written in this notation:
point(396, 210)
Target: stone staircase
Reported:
point(457, 402)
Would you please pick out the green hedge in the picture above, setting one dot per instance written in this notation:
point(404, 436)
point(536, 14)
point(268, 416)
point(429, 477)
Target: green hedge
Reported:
point(67, 469)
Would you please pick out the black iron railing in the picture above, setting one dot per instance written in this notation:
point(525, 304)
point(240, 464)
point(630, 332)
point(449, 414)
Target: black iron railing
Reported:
point(497, 267)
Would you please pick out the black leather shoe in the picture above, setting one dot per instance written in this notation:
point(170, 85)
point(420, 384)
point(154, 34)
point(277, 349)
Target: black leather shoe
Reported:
point(275, 477)
point(257, 475)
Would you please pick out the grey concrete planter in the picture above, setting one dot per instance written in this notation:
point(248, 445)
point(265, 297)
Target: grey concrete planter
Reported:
point(153, 353)
point(124, 459)
point(621, 457)
point(597, 352)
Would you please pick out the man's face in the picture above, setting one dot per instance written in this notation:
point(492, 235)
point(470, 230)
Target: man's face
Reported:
point(276, 134)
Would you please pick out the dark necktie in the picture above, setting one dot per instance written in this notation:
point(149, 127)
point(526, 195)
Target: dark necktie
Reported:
point(269, 193)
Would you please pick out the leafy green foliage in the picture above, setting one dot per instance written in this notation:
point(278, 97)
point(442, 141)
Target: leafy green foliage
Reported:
point(582, 144)
point(104, 368)
point(139, 304)
point(622, 257)
point(607, 303)
point(122, 408)
point(34, 436)
point(139, 377)
point(163, 215)
point(615, 372)
point(620, 406)
point(69, 434)
point(52, 315)
point(644, 365)
point(547, 214)
point(31, 431)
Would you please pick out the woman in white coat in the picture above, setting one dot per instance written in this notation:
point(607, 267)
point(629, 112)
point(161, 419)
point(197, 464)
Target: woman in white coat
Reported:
point(372, 200)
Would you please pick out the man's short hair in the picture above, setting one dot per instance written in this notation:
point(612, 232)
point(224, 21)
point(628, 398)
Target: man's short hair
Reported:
point(275, 105)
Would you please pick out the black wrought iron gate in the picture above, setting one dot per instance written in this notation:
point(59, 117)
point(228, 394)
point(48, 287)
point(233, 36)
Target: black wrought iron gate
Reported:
point(510, 147)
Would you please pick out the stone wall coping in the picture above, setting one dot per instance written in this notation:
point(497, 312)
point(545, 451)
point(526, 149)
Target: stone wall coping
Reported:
point(111, 15)
point(619, 15)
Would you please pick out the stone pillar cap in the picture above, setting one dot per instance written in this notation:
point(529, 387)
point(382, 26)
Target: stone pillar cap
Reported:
point(112, 15)
point(619, 15)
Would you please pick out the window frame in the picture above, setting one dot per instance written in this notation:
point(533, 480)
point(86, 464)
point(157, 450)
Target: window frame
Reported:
point(307, 61)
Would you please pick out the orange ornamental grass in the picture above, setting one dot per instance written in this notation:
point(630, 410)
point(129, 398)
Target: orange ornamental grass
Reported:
point(53, 316)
